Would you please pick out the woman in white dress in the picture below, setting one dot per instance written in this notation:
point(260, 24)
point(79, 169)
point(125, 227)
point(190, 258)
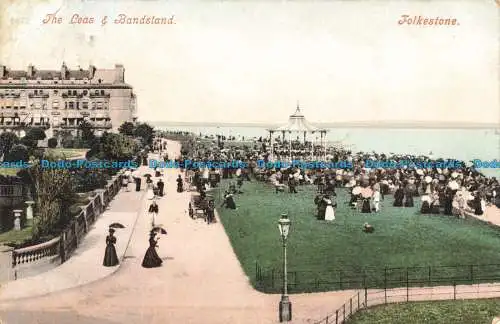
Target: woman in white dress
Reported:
point(329, 212)
point(150, 192)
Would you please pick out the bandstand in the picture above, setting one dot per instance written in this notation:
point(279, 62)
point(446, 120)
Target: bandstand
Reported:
point(298, 125)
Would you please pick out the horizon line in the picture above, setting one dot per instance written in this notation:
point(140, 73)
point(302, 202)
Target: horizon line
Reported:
point(355, 124)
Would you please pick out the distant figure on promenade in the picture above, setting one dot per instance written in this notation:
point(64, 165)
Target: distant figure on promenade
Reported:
point(180, 185)
point(210, 212)
point(426, 206)
point(138, 181)
point(149, 188)
point(157, 172)
point(366, 207)
point(153, 211)
point(151, 258)
point(161, 186)
point(125, 182)
point(130, 182)
point(110, 257)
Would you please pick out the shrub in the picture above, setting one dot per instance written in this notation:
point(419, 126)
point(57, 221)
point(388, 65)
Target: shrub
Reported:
point(18, 152)
point(52, 143)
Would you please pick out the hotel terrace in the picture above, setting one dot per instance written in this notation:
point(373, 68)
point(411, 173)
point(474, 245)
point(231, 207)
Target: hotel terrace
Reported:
point(59, 100)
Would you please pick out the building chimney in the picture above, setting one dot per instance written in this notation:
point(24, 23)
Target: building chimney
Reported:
point(64, 71)
point(91, 71)
point(119, 73)
point(3, 71)
point(31, 71)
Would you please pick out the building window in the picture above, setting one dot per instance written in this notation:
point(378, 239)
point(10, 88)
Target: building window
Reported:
point(22, 107)
point(93, 105)
point(85, 105)
point(97, 92)
point(102, 92)
point(56, 92)
point(65, 105)
point(36, 92)
point(55, 104)
point(77, 105)
point(71, 105)
point(85, 92)
point(99, 105)
point(74, 92)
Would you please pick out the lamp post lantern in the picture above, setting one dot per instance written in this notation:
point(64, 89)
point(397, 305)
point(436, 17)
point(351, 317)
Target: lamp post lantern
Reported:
point(285, 306)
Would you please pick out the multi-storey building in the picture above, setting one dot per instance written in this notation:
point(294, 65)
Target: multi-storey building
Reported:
point(60, 100)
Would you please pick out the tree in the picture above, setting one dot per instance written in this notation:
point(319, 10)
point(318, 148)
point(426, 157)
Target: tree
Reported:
point(54, 194)
point(18, 152)
point(145, 132)
point(127, 128)
point(36, 134)
point(52, 142)
point(117, 147)
point(7, 141)
point(87, 132)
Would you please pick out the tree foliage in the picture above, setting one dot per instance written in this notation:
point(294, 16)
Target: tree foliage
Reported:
point(87, 132)
point(112, 146)
point(16, 153)
point(54, 194)
point(7, 141)
point(145, 132)
point(52, 143)
point(36, 134)
point(127, 128)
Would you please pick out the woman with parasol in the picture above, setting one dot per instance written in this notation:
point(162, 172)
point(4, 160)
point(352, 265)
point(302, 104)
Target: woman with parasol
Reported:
point(151, 258)
point(149, 186)
point(329, 214)
point(110, 257)
point(426, 204)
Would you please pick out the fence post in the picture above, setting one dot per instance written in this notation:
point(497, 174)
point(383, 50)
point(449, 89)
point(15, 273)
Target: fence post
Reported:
point(472, 273)
point(327, 319)
point(350, 307)
point(337, 316)
point(385, 285)
point(62, 244)
point(364, 279)
point(272, 278)
point(340, 279)
point(358, 300)
point(429, 281)
point(407, 286)
point(366, 297)
point(454, 291)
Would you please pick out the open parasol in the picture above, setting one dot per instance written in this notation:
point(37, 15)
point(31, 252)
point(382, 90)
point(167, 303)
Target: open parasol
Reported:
point(428, 179)
point(366, 193)
point(160, 230)
point(116, 225)
point(420, 172)
point(453, 185)
point(356, 190)
point(147, 175)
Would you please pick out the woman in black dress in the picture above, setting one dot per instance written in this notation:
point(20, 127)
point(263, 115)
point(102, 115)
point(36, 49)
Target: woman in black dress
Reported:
point(398, 197)
point(228, 201)
point(478, 210)
point(110, 257)
point(426, 206)
point(366, 206)
point(409, 197)
point(180, 187)
point(151, 258)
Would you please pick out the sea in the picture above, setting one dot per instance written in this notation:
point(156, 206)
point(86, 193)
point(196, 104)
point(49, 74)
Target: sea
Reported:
point(460, 144)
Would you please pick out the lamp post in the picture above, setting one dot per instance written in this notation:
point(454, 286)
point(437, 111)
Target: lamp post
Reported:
point(285, 306)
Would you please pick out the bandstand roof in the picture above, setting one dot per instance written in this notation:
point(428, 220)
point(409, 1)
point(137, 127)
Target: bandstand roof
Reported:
point(298, 123)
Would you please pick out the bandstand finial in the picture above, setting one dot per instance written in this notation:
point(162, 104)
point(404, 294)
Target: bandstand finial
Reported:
point(298, 107)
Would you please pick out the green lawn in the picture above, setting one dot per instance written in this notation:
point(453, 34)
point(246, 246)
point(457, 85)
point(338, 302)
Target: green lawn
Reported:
point(13, 236)
point(63, 153)
point(326, 256)
point(481, 311)
point(9, 171)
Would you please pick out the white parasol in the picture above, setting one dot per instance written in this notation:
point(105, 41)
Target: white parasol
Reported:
point(428, 179)
point(356, 190)
point(366, 193)
point(420, 172)
point(453, 185)
point(454, 175)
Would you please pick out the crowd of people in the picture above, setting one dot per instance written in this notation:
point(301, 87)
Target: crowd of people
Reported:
point(449, 191)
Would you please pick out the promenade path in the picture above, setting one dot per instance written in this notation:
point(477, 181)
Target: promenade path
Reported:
point(201, 281)
point(85, 265)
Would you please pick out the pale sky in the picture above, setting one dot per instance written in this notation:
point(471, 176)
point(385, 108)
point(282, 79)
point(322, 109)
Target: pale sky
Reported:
point(251, 61)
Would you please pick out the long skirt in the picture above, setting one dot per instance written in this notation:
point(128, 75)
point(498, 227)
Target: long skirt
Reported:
point(151, 259)
point(150, 194)
point(110, 257)
point(329, 213)
point(366, 206)
point(426, 208)
point(409, 201)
